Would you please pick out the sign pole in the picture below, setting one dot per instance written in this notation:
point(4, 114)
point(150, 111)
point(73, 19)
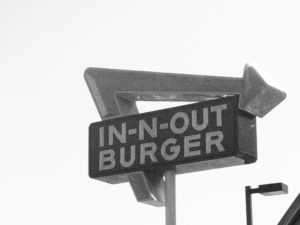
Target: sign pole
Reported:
point(170, 195)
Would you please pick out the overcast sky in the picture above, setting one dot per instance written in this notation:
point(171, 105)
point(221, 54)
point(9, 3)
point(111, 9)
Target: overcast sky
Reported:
point(46, 107)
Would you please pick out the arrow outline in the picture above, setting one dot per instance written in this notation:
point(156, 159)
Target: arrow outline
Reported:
point(114, 96)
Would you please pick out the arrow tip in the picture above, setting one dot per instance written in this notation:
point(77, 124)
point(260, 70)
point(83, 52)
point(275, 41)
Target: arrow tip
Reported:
point(258, 97)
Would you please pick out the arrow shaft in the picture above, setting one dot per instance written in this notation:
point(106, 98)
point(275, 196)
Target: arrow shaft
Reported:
point(135, 81)
point(119, 89)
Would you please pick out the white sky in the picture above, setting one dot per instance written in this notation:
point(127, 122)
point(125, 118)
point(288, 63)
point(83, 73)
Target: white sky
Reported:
point(46, 107)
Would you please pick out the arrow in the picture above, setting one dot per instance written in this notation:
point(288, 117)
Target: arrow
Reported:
point(115, 91)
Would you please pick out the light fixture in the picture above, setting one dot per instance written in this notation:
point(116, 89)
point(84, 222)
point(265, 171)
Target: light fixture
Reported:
point(266, 190)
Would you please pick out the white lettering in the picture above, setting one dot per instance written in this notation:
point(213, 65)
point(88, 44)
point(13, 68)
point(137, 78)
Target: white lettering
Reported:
point(216, 141)
point(174, 149)
point(101, 136)
point(188, 144)
point(195, 124)
point(185, 125)
point(144, 126)
point(132, 156)
point(107, 156)
point(218, 109)
point(144, 152)
point(112, 131)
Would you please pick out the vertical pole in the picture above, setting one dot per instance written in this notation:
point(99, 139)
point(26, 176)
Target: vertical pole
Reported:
point(170, 197)
point(248, 205)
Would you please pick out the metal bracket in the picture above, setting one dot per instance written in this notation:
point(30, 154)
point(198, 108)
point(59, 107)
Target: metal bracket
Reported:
point(148, 187)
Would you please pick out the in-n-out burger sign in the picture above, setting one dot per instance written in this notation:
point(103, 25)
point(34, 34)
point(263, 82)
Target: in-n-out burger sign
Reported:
point(194, 137)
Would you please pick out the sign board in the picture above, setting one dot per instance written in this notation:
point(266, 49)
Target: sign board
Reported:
point(200, 136)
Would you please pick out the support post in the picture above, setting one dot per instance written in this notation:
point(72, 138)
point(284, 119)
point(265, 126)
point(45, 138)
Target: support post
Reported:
point(248, 205)
point(170, 196)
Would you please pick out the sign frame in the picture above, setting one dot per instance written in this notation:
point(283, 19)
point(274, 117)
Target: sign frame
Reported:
point(243, 149)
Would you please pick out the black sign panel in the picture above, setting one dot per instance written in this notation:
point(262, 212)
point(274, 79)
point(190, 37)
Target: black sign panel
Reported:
point(180, 137)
